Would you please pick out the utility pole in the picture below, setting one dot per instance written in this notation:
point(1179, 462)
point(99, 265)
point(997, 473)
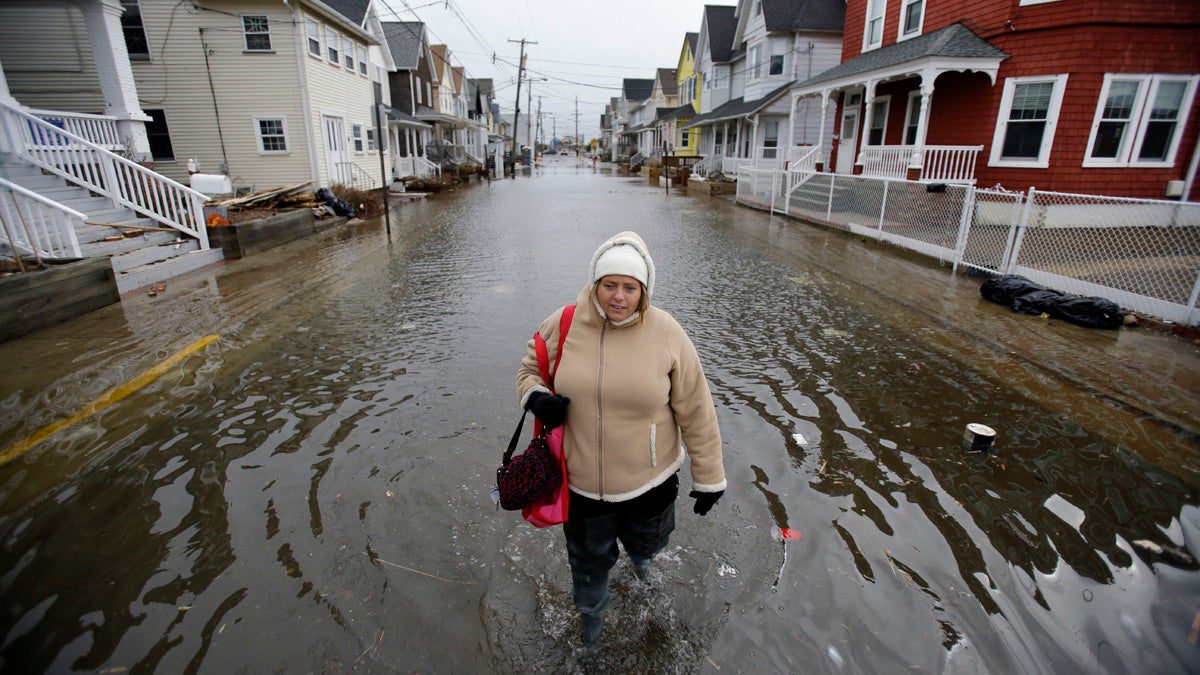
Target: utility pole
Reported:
point(578, 141)
point(517, 104)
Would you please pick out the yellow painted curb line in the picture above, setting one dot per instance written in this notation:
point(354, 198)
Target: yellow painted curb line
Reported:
point(106, 399)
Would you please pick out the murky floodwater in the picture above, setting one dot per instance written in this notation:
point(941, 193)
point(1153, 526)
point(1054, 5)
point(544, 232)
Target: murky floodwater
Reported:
point(309, 493)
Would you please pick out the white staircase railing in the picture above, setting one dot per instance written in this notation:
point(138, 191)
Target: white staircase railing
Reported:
point(37, 225)
point(707, 166)
point(801, 167)
point(425, 168)
point(359, 179)
point(87, 164)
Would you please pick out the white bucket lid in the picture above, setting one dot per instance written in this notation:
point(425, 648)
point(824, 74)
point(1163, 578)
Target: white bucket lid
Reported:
point(981, 429)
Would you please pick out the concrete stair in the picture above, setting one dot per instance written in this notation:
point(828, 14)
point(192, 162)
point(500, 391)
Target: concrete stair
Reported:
point(140, 257)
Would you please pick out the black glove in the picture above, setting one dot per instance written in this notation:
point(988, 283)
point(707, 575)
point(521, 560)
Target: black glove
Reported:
point(550, 409)
point(704, 500)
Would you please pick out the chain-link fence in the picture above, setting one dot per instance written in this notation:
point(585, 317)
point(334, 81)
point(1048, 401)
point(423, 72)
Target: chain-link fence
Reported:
point(1138, 253)
point(1142, 254)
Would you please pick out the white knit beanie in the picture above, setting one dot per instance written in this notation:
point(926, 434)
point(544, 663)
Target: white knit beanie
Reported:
point(624, 260)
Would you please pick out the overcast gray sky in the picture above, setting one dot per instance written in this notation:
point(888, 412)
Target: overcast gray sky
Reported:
point(584, 47)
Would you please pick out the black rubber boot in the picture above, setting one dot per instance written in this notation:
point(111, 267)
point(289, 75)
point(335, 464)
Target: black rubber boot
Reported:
point(593, 625)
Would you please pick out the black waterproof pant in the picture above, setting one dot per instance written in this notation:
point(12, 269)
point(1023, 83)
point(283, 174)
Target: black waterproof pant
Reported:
point(642, 525)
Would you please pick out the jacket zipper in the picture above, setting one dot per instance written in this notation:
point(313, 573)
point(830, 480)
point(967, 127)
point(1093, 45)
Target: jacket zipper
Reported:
point(600, 412)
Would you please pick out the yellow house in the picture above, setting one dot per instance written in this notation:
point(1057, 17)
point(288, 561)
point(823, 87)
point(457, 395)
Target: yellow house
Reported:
point(687, 141)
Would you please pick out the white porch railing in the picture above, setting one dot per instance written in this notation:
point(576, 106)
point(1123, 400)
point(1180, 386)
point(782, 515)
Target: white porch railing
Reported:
point(37, 225)
point(940, 164)
point(99, 129)
point(126, 184)
point(950, 163)
point(886, 161)
point(730, 165)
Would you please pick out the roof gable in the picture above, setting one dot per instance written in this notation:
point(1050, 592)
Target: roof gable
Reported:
point(354, 10)
point(955, 41)
point(804, 15)
point(721, 24)
point(406, 41)
point(637, 90)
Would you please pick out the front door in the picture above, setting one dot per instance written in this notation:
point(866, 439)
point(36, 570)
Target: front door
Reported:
point(848, 146)
point(336, 158)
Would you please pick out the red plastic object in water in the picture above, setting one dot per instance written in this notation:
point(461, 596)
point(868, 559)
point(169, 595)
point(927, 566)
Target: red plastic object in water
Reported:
point(789, 535)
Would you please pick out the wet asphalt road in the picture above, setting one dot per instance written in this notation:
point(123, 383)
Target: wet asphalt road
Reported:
point(308, 493)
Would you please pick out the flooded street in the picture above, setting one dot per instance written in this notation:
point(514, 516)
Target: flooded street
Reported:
point(308, 493)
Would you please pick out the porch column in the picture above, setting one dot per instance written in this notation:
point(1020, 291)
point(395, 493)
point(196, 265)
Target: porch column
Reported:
point(5, 95)
point(103, 21)
point(864, 131)
point(791, 126)
point(918, 158)
point(825, 149)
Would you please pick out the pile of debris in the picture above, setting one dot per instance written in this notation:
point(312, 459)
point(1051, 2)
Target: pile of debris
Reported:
point(268, 202)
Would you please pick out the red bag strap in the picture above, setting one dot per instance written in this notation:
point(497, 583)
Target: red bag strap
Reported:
point(543, 354)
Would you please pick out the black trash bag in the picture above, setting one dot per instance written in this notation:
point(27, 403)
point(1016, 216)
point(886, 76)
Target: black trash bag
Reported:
point(1003, 290)
point(340, 206)
point(1090, 312)
point(1037, 302)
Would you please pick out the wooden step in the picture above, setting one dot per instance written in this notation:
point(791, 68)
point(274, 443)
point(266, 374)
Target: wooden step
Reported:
point(162, 271)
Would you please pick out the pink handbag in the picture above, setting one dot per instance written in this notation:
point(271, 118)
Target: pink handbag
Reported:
point(552, 510)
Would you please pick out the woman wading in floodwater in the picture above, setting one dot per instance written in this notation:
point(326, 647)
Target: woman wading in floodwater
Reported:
point(636, 406)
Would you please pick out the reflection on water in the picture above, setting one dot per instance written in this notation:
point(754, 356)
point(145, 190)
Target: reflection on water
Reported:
point(310, 493)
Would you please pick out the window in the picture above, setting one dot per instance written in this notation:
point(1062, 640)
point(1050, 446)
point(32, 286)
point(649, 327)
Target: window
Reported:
point(348, 52)
point(879, 114)
point(256, 28)
point(1027, 120)
point(332, 42)
point(770, 139)
point(371, 146)
point(685, 138)
point(272, 135)
point(912, 118)
point(135, 34)
point(873, 33)
point(718, 81)
point(778, 51)
point(754, 61)
point(1139, 119)
point(356, 132)
point(362, 60)
point(159, 136)
point(314, 37)
point(912, 17)
point(419, 91)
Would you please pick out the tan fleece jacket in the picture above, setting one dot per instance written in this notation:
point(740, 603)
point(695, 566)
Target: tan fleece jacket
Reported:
point(639, 399)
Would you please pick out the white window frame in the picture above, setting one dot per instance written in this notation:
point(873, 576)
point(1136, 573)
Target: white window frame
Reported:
point(258, 134)
point(884, 102)
point(356, 137)
point(372, 146)
point(362, 60)
point(333, 45)
point(904, 9)
point(348, 54)
point(718, 80)
point(880, 17)
point(754, 61)
point(912, 116)
point(1042, 161)
point(779, 48)
point(246, 34)
point(314, 43)
point(1135, 136)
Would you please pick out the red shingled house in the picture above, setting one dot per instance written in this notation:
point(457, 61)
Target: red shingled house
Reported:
point(1087, 96)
